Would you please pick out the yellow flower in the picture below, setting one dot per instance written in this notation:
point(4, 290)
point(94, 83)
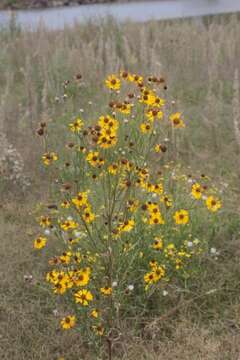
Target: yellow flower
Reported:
point(159, 102)
point(83, 297)
point(69, 225)
point(181, 217)
point(40, 242)
point(158, 243)
point(132, 205)
point(60, 288)
point(65, 258)
point(113, 169)
point(135, 78)
point(45, 221)
point(95, 313)
point(106, 290)
point(170, 250)
point(81, 200)
point(197, 191)
point(88, 215)
point(68, 322)
point(167, 201)
point(107, 122)
point(76, 126)
point(176, 120)
point(158, 273)
point(81, 278)
point(94, 159)
point(145, 128)
point(113, 82)
point(213, 204)
point(49, 158)
point(156, 219)
point(149, 278)
point(65, 204)
point(153, 114)
point(99, 329)
point(148, 98)
point(107, 141)
point(125, 108)
point(127, 225)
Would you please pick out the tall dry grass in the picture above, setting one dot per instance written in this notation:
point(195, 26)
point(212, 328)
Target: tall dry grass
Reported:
point(200, 60)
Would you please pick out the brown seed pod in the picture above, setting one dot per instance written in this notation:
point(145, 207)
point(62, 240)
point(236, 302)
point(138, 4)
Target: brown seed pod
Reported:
point(40, 131)
point(163, 148)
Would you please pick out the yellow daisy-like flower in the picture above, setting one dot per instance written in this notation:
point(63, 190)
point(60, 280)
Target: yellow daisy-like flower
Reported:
point(113, 169)
point(145, 128)
point(213, 204)
point(127, 225)
point(65, 204)
point(65, 258)
point(40, 242)
point(181, 217)
point(148, 99)
point(132, 205)
point(94, 159)
point(177, 121)
point(76, 126)
point(159, 102)
point(80, 200)
point(109, 123)
point(60, 288)
point(149, 278)
point(69, 225)
point(158, 243)
point(197, 191)
point(81, 278)
point(113, 82)
point(167, 201)
point(68, 322)
point(158, 273)
point(153, 114)
point(49, 158)
point(83, 297)
point(98, 329)
point(45, 221)
point(95, 313)
point(156, 219)
point(88, 215)
point(106, 290)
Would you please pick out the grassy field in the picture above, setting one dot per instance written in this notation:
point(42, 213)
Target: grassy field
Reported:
point(200, 61)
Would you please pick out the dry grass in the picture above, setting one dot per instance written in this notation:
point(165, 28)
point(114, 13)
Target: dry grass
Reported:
point(201, 63)
point(207, 330)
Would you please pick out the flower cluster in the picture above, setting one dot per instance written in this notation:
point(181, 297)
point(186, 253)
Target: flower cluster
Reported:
point(126, 217)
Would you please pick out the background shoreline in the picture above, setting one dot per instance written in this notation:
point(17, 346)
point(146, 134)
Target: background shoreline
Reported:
point(46, 4)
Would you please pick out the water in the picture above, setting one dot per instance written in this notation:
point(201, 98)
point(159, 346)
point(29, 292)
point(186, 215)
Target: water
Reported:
point(57, 18)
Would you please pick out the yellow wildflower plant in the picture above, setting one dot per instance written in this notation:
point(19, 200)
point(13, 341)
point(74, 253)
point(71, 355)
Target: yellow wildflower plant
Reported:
point(123, 219)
